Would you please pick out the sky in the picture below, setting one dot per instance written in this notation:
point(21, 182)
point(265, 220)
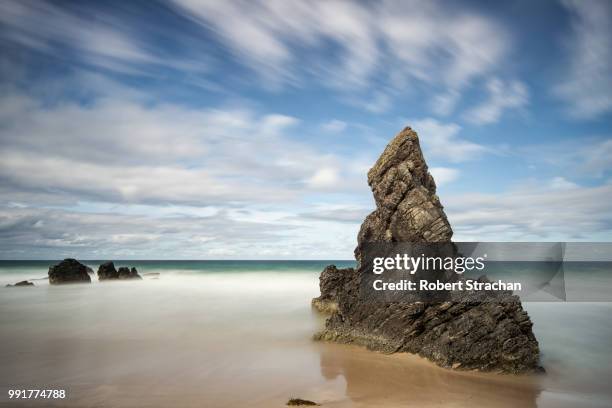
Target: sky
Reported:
point(244, 129)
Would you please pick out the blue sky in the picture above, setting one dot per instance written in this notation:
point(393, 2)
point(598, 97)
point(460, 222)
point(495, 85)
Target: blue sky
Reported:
point(208, 130)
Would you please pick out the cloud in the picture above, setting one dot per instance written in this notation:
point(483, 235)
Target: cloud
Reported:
point(326, 177)
point(378, 103)
point(266, 35)
point(444, 175)
point(435, 44)
point(39, 233)
point(561, 183)
point(50, 233)
point(94, 36)
point(378, 49)
point(118, 150)
point(441, 140)
point(125, 176)
point(502, 96)
point(587, 86)
point(390, 41)
point(350, 214)
point(586, 157)
point(334, 126)
point(443, 104)
point(553, 210)
point(596, 158)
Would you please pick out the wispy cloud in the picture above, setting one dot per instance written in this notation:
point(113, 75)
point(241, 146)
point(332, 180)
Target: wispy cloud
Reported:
point(334, 126)
point(587, 87)
point(584, 157)
point(501, 96)
point(444, 175)
point(347, 213)
point(532, 212)
point(441, 140)
point(438, 45)
point(147, 163)
point(266, 35)
point(51, 233)
point(90, 36)
point(396, 41)
point(117, 150)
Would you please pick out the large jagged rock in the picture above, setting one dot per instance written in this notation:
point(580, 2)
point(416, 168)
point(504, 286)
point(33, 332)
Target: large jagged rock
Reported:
point(407, 207)
point(107, 271)
point(468, 330)
point(68, 271)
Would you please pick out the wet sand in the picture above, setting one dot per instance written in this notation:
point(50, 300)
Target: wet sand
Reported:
point(147, 374)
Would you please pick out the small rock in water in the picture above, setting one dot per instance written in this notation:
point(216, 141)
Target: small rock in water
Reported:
point(107, 271)
point(300, 402)
point(68, 271)
point(22, 283)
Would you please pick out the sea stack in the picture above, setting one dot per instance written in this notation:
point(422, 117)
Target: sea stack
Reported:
point(68, 271)
point(465, 331)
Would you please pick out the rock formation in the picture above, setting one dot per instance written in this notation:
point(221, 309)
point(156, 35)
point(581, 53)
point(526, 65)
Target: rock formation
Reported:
point(68, 271)
point(107, 271)
point(331, 284)
point(24, 283)
point(299, 402)
point(128, 273)
point(484, 331)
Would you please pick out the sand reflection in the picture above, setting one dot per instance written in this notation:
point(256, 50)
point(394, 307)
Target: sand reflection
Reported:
point(373, 379)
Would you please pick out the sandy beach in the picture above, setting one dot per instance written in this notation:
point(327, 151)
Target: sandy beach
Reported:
point(193, 339)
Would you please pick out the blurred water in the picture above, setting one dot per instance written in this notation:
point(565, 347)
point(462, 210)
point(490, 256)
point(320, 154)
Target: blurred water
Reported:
point(224, 333)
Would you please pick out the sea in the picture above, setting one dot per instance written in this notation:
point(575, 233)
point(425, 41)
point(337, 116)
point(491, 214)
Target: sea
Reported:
point(239, 333)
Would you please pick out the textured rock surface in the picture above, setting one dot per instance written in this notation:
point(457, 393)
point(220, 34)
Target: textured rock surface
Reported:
point(107, 271)
point(128, 273)
point(331, 283)
point(473, 330)
point(22, 283)
point(407, 207)
point(68, 271)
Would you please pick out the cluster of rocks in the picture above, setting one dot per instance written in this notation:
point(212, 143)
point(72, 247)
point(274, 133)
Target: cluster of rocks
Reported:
point(488, 332)
point(107, 271)
point(72, 271)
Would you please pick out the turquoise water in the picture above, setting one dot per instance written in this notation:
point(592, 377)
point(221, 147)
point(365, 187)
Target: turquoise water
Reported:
point(36, 271)
point(20, 270)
